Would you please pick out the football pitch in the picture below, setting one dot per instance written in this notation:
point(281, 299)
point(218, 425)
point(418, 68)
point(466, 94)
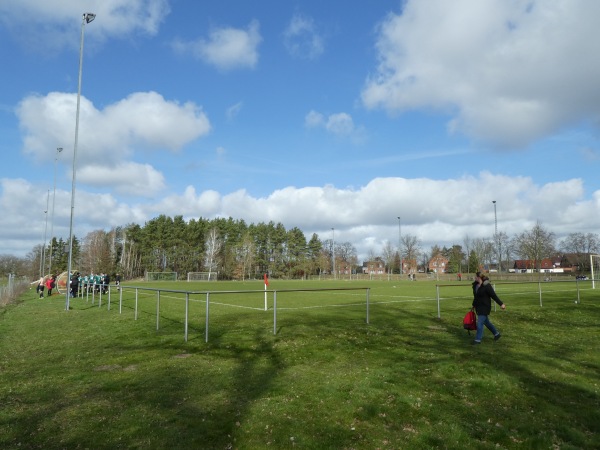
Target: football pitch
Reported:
point(319, 364)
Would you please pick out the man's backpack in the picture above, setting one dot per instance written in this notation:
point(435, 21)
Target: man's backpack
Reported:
point(470, 321)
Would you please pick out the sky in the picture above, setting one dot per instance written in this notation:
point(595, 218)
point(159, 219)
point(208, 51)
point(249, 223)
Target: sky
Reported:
point(335, 117)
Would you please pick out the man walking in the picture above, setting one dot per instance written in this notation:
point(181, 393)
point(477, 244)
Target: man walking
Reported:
point(483, 306)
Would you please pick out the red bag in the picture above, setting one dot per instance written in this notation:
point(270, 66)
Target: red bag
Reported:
point(470, 321)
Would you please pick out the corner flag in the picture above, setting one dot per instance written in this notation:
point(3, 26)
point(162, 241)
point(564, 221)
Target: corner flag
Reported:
point(266, 286)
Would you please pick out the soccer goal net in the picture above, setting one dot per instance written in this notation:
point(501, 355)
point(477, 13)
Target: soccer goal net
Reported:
point(202, 276)
point(161, 276)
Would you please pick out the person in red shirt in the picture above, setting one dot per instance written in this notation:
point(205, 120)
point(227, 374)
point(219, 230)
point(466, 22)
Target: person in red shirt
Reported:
point(50, 284)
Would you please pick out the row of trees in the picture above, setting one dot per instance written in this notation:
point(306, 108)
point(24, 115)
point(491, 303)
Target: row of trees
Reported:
point(532, 245)
point(233, 248)
point(239, 251)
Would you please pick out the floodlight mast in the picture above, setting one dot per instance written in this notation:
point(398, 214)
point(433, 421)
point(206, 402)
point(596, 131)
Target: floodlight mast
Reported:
point(45, 230)
point(333, 251)
point(58, 150)
point(87, 18)
point(497, 238)
point(400, 245)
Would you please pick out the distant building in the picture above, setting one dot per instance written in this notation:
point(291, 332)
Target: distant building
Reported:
point(546, 265)
point(438, 264)
point(374, 267)
point(409, 266)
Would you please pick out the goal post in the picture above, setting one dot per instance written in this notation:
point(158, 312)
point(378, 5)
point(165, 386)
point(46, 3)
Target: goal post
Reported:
point(161, 276)
point(594, 268)
point(203, 276)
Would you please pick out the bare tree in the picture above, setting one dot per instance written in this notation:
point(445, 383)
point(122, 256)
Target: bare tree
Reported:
point(467, 243)
point(503, 242)
point(580, 245)
point(536, 244)
point(96, 253)
point(345, 256)
point(412, 250)
point(508, 249)
point(388, 256)
point(246, 252)
point(13, 264)
point(212, 251)
point(484, 249)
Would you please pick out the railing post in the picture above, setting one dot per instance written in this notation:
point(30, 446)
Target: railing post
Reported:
point(437, 290)
point(187, 309)
point(368, 290)
point(120, 301)
point(206, 320)
point(274, 312)
point(157, 309)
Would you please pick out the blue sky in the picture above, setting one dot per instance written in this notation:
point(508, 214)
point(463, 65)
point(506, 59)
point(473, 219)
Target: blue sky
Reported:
point(314, 114)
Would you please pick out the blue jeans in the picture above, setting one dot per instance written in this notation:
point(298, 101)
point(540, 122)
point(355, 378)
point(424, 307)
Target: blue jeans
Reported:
point(481, 321)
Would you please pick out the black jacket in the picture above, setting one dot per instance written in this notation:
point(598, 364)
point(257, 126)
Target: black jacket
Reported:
point(475, 286)
point(483, 299)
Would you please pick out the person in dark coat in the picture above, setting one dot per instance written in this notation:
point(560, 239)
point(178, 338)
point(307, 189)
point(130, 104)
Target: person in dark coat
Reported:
point(483, 307)
point(75, 285)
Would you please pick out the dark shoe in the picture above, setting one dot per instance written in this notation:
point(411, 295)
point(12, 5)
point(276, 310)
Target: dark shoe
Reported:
point(476, 342)
point(498, 336)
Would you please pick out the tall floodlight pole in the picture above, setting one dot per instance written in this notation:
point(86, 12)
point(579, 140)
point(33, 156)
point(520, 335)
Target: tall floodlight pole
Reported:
point(87, 18)
point(400, 245)
point(58, 150)
point(333, 250)
point(45, 231)
point(496, 235)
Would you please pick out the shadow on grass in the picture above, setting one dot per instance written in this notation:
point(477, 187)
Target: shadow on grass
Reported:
point(327, 379)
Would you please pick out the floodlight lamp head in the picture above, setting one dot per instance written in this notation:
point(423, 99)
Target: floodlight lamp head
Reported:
point(89, 17)
point(59, 149)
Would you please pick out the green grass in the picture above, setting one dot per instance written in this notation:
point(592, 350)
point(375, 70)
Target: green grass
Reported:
point(96, 378)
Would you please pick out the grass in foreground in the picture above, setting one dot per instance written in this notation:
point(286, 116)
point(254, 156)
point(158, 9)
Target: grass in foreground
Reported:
point(93, 378)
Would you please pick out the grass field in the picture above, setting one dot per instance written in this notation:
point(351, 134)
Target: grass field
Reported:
point(98, 378)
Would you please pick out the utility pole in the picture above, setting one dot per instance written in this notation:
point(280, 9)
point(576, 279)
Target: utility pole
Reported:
point(497, 238)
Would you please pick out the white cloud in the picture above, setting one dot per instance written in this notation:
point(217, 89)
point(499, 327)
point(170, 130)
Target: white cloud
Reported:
point(108, 138)
point(54, 24)
point(458, 207)
point(301, 38)
point(226, 48)
point(23, 221)
point(339, 124)
point(314, 119)
point(509, 71)
point(438, 212)
point(126, 178)
point(110, 134)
